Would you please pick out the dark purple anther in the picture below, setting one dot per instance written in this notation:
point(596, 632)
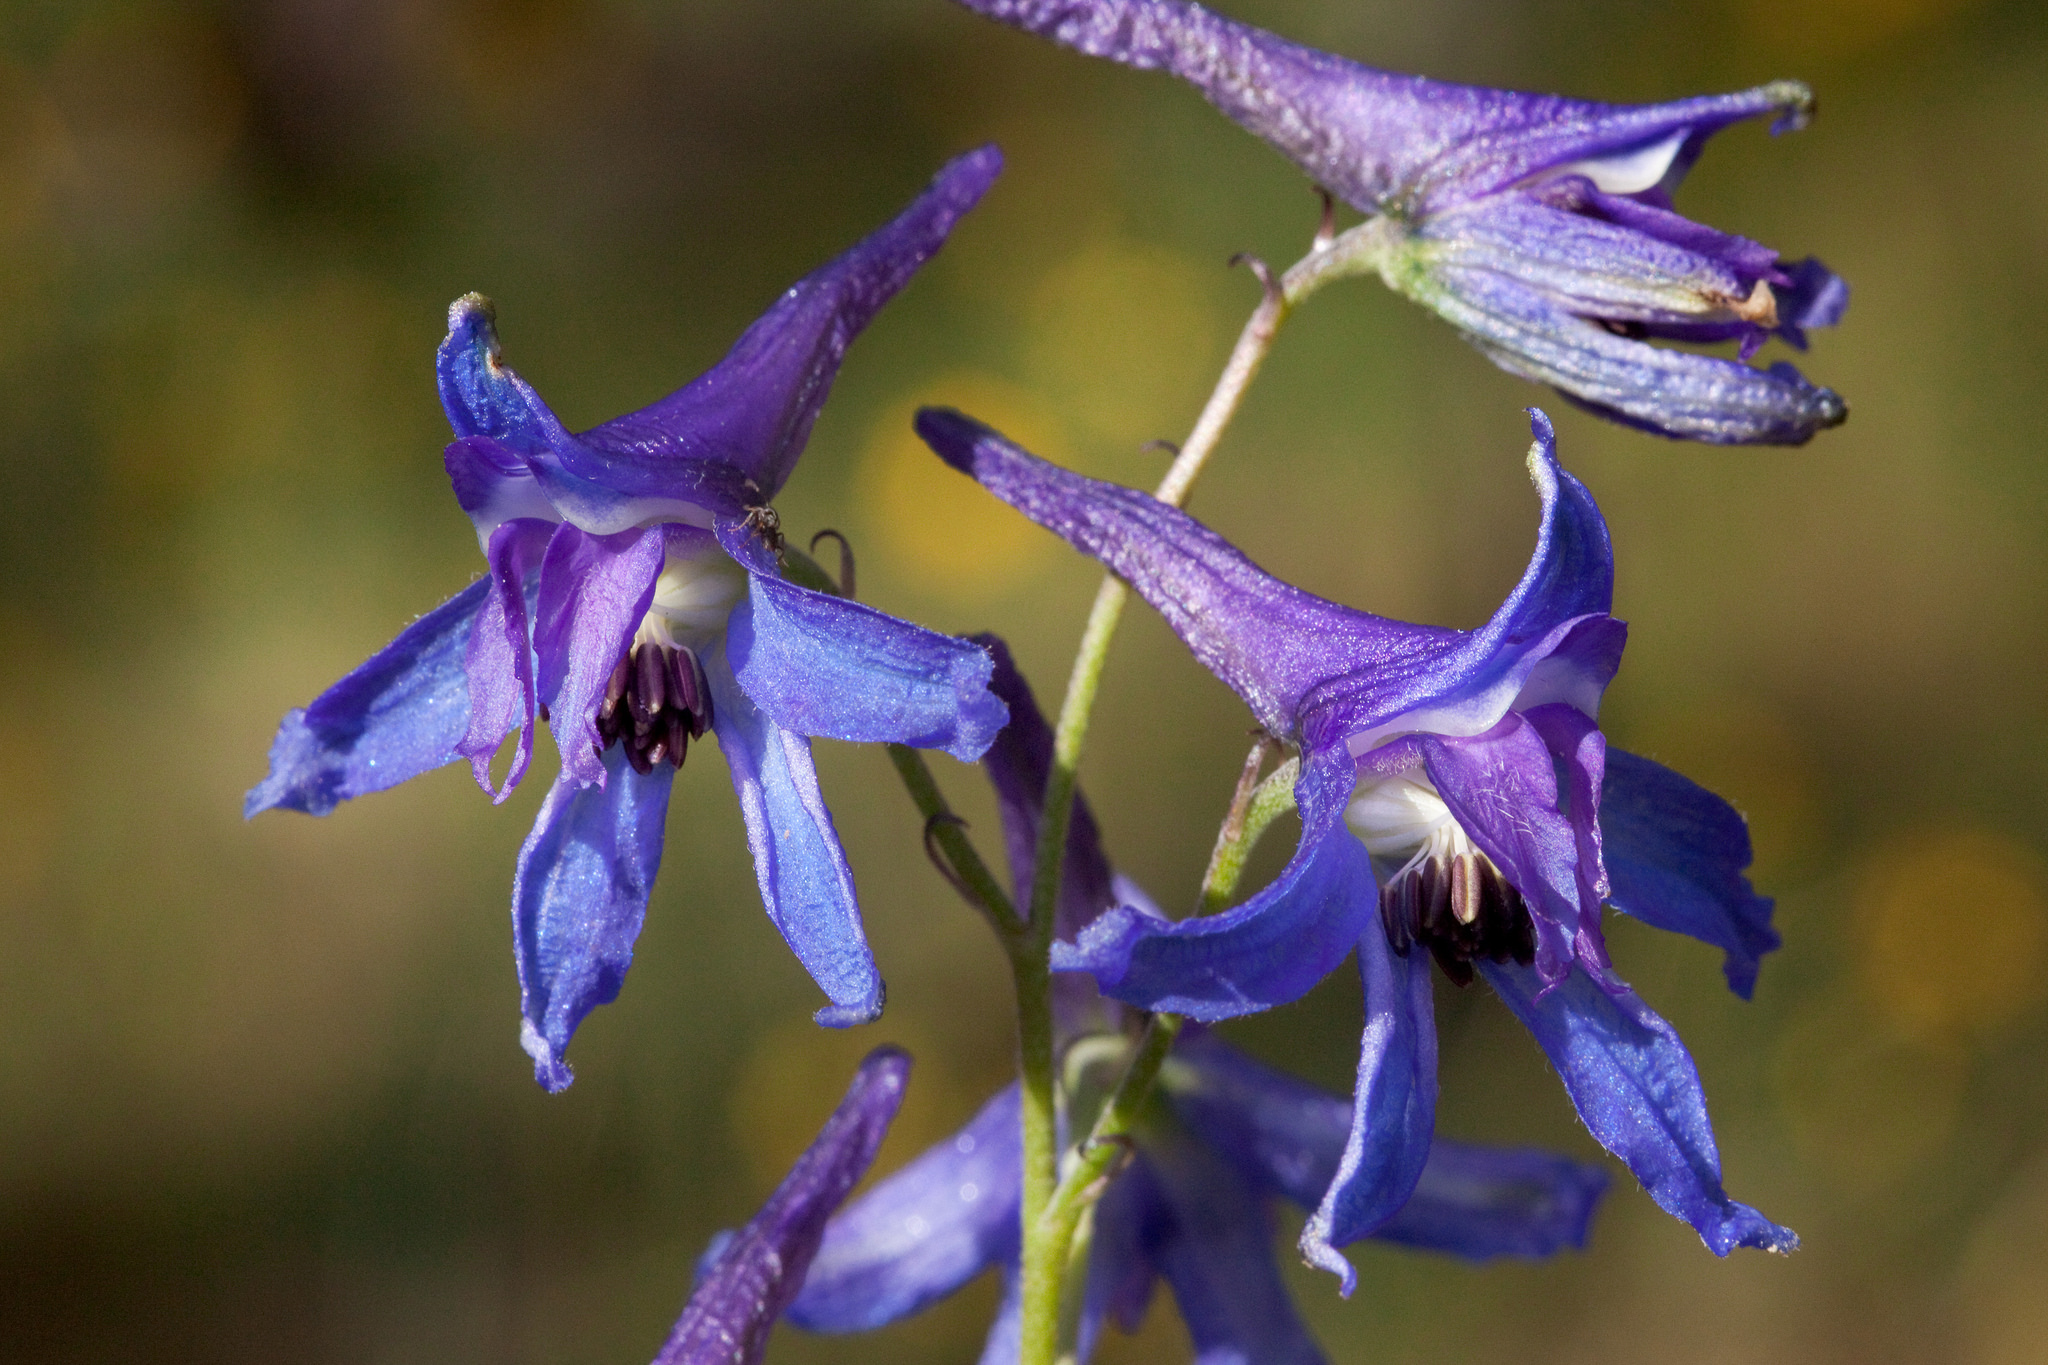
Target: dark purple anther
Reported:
point(688, 690)
point(650, 690)
point(1460, 908)
point(615, 688)
point(662, 702)
point(1397, 912)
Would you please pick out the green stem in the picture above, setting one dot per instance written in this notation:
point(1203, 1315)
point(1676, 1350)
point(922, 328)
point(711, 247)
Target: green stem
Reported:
point(1232, 829)
point(1030, 960)
point(1045, 1238)
point(1085, 1179)
point(1253, 808)
point(1036, 1065)
point(1267, 802)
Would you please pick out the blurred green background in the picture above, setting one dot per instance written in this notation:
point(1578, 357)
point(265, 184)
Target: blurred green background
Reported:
point(262, 1097)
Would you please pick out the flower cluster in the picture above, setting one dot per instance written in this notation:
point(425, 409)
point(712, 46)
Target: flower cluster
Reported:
point(1459, 804)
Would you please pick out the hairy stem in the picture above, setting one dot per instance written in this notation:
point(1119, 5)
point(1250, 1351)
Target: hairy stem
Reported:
point(1107, 1142)
point(1263, 804)
point(1253, 807)
point(1046, 1238)
point(1240, 810)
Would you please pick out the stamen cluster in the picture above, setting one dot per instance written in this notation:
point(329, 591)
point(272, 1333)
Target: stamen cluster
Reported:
point(1461, 908)
point(656, 702)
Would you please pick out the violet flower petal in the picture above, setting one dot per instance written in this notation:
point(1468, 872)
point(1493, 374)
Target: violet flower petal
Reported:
point(1019, 763)
point(1518, 216)
point(1213, 1245)
point(1636, 1088)
point(1575, 742)
point(754, 409)
point(1276, 1128)
point(1121, 1273)
point(1004, 1344)
point(498, 419)
point(1551, 638)
point(923, 1232)
point(1266, 952)
point(1502, 788)
point(1393, 1108)
point(1480, 1202)
point(762, 1266)
point(723, 442)
point(579, 894)
point(1598, 268)
point(1291, 654)
point(484, 397)
point(1817, 297)
point(400, 713)
point(1473, 1201)
point(1664, 392)
point(1649, 215)
point(499, 660)
point(594, 590)
point(821, 665)
point(494, 484)
point(1677, 854)
point(1374, 137)
point(805, 882)
point(1270, 642)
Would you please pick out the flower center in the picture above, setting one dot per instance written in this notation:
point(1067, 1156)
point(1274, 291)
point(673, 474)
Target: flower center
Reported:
point(698, 587)
point(656, 702)
point(658, 699)
point(1446, 895)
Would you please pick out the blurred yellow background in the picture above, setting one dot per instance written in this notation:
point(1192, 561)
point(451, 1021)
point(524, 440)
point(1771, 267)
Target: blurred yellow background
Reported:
point(262, 1098)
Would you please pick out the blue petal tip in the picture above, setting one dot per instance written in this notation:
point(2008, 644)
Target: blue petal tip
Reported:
point(850, 1016)
point(472, 313)
point(549, 1070)
point(951, 435)
point(1320, 1255)
point(1749, 1228)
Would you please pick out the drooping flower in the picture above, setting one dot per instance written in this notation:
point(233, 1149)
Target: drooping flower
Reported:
point(635, 598)
point(1541, 227)
point(749, 1277)
point(1227, 1136)
point(1470, 767)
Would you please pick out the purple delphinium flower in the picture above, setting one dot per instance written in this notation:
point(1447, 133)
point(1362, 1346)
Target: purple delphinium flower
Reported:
point(750, 1276)
point(1469, 766)
point(1227, 1136)
point(1541, 227)
point(636, 598)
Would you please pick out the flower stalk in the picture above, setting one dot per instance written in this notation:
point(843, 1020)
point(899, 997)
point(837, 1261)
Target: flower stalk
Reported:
point(1048, 1231)
point(1254, 807)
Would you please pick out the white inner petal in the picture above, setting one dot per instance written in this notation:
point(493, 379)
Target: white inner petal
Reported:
point(698, 588)
point(1629, 172)
point(1404, 814)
